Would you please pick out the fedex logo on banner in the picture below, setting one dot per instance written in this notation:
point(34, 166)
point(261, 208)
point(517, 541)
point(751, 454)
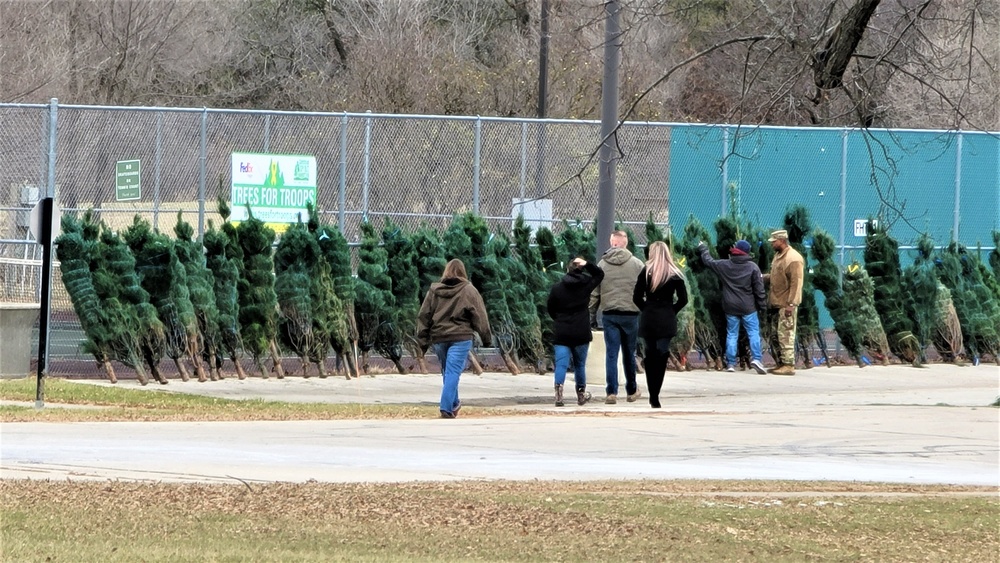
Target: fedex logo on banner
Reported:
point(246, 168)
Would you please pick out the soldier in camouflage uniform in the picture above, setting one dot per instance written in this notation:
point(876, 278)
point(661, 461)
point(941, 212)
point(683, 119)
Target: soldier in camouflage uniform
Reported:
point(784, 297)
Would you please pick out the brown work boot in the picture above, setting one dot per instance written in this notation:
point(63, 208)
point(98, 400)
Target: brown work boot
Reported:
point(634, 396)
point(559, 396)
point(783, 370)
point(582, 397)
point(611, 400)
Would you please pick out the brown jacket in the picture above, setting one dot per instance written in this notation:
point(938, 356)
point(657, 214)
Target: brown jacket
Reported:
point(786, 279)
point(451, 312)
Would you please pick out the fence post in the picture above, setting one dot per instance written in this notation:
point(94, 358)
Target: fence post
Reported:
point(201, 173)
point(341, 216)
point(267, 132)
point(725, 169)
point(843, 192)
point(156, 170)
point(45, 314)
point(958, 187)
point(365, 177)
point(477, 147)
point(524, 156)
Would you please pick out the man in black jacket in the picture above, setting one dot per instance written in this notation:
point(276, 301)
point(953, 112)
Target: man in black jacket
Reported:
point(567, 306)
point(742, 296)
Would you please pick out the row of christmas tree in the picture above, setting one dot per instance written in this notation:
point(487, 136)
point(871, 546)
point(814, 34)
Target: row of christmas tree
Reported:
point(141, 295)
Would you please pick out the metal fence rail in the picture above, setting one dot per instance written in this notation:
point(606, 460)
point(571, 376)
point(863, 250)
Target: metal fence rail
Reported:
point(425, 169)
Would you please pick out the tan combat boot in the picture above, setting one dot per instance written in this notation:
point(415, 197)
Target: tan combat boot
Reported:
point(784, 370)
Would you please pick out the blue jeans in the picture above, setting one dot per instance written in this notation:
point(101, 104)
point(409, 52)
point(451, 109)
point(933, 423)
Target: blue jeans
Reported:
point(621, 332)
point(752, 324)
point(453, 357)
point(578, 354)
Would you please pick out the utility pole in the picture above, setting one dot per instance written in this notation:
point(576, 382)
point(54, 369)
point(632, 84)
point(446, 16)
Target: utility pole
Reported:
point(543, 81)
point(607, 159)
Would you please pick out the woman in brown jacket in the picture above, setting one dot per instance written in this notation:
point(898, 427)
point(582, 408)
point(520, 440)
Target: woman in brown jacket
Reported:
point(451, 313)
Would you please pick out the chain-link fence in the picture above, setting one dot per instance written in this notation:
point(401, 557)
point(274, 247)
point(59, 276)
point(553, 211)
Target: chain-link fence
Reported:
point(426, 169)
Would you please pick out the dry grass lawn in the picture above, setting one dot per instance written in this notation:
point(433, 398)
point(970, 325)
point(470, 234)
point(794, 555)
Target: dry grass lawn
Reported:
point(497, 521)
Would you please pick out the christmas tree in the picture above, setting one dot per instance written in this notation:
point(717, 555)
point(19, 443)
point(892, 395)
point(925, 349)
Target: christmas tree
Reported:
point(553, 262)
point(521, 303)
point(577, 240)
point(826, 278)
point(494, 284)
point(225, 277)
point(977, 309)
point(258, 303)
point(935, 320)
point(403, 269)
point(164, 278)
point(859, 294)
point(532, 271)
point(339, 308)
point(115, 273)
point(301, 324)
point(105, 335)
point(706, 296)
point(374, 305)
point(430, 257)
point(882, 264)
point(201, 287)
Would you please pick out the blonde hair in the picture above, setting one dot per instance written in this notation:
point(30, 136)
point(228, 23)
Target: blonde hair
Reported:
point(660, 266)
point(455, 268)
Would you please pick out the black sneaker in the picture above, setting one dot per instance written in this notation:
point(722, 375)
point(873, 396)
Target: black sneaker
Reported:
point(446, 414)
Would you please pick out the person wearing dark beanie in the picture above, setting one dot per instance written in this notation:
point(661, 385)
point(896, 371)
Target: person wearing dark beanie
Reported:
point(742, 297)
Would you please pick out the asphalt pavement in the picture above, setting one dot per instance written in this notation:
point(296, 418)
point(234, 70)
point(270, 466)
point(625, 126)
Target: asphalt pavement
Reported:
point(877, 424)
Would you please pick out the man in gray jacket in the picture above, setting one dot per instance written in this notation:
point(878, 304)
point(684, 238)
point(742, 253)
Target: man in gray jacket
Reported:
point(620, 316)
point(742, 297)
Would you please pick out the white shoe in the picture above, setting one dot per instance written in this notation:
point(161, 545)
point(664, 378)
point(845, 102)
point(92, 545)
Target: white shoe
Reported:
point(730, 369)
point(758, 367)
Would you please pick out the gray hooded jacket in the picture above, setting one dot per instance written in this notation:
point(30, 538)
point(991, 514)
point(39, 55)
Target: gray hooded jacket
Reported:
point(614, 295)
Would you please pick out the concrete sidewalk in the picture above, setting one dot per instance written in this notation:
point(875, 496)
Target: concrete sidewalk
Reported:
point(894, 424)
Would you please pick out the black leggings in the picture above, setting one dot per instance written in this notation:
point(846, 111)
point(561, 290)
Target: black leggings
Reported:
point(655, 363)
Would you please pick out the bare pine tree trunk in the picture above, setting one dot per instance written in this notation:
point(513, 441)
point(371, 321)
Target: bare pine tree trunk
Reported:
point(240, 374)
point(195, 354)
point(214, 365)
point(276, 360)
point(477, 368)
point(109, 370)
point(182, 369)
point(422, 364)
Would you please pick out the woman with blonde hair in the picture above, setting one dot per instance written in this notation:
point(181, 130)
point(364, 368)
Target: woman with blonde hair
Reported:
point(451, 313)
point(660, 293)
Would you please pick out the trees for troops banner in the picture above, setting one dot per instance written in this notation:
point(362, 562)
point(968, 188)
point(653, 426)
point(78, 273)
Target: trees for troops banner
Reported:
point(276, 186)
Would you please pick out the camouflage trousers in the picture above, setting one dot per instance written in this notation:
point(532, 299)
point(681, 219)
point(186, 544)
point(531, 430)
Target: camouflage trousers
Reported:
point(784, 334)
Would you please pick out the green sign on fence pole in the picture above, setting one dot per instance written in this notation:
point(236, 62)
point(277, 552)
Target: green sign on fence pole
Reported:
point(127, 180)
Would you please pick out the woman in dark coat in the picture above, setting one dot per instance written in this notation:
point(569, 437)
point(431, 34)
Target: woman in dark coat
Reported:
point(567, 305)
point(659, 294)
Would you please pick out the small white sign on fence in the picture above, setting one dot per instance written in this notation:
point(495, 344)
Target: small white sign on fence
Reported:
point(861, 227)
point(537, 213)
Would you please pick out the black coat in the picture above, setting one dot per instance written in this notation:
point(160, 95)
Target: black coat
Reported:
point(658, 318)
point(567, 305)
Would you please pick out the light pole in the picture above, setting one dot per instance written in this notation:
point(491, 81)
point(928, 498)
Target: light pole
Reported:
point(607, 160)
